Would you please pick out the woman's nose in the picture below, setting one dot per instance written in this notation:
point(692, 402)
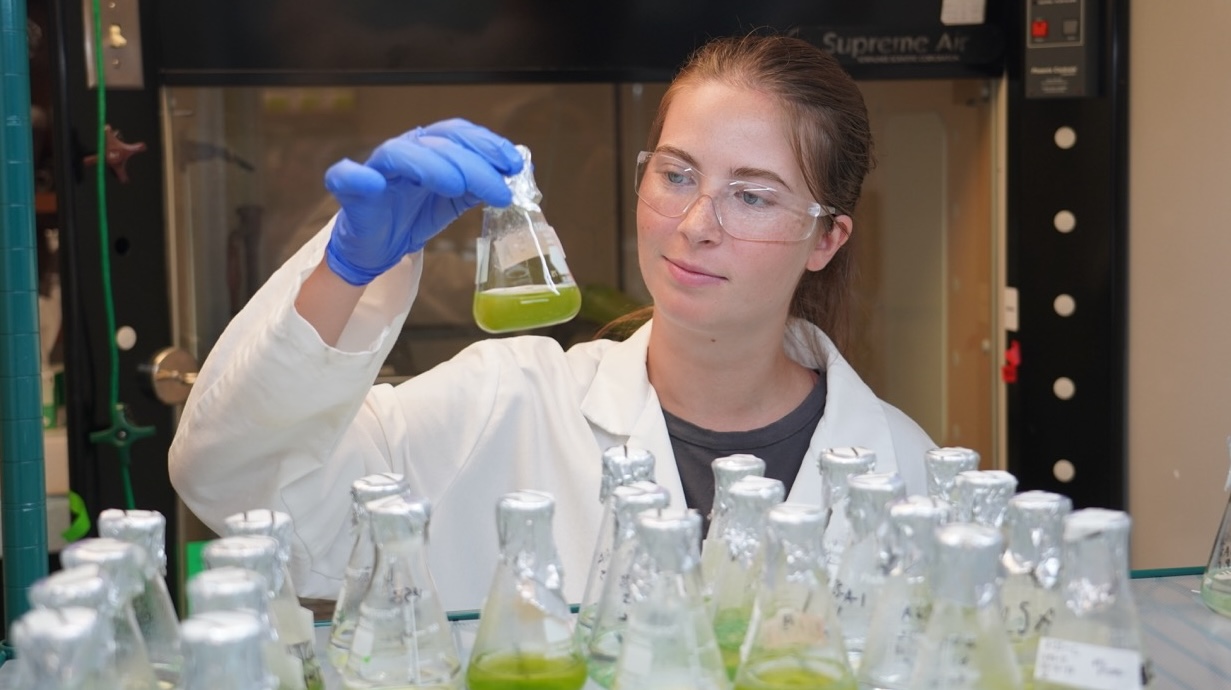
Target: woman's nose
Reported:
point(700, 222)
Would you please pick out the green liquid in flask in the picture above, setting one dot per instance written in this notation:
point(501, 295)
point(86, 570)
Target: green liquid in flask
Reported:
point(506, 671)
point(730, 627)
point(500, 310)
point(795, 674)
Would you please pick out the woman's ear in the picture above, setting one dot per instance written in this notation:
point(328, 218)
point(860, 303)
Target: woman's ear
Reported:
point(830, 242)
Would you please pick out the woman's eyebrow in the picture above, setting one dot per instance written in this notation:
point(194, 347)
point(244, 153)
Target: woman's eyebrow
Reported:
point(760, 174)
point(678, 153)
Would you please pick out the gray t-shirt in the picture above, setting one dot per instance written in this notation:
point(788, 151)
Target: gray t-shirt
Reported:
point(781, 445)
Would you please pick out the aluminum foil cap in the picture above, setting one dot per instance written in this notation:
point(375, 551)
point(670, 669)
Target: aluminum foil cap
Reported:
point(912, 532)
point(524, 526)
point(374, 486)
point(750, 497)
point(793, 538)
point(265, 522)
point(838, 465)
point(1034, 523)
point(622, 465)
point(61, 646)
point(254, 551)
point(1111, 527)
point(123, 565)
point(942, 466)
point(85, 586)
point(224, 649)
point(630, 500)
point(982, 496)
point(399, 518)
point(671, 543)
point(870, 496)
point(229, 588)
point(145, 528)
point(967, 568)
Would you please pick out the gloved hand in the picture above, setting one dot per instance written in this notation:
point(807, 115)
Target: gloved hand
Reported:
point(411, 187)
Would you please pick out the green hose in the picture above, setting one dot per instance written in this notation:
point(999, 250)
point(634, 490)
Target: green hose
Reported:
point(23, 500)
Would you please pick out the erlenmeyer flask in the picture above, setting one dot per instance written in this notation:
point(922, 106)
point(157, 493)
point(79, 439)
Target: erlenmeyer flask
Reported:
point(965, 646)
point(903, 606)
point(602, 647)
point(402, 638)
point(863, 569)
point(669, 642)
point(525, 638)
point(153, 607)
point(222, 649)
point(733, 589)
point(795, 640)
point(521, 279)
point(1216, 585)
point(1032, 558)
point(359, 565)
point(1097, 633)
point(837, 466)
point(293, 621)
point(108, 590)
point(622, 465)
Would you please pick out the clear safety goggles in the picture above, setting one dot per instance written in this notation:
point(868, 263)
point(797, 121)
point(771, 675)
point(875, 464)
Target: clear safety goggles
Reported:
point(750, 211)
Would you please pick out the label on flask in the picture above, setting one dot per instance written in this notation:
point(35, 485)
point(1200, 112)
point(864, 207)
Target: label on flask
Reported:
point(788, 628)
point(1087, 666)
point(513, 248)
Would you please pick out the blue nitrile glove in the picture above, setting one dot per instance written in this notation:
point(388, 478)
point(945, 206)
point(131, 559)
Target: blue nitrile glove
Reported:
point(411, 187)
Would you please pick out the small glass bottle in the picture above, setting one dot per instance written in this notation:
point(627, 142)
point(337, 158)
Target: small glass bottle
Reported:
point(902, 608)
point(837, 466)
point(294, 622)
point(1216, 582)
point(669, 642)
point(222, 649)
point(942, 465)
point(982, 496)
point(525, 638)
point(1098, 629)
point(863, 567)
point(733, 589)
point(521, 278)
point(795, 640)
point(109, 591)
point(1034, 523)
point(965, 646)
point(153, 607)
point(621, 465)
point(229, 588)
point(402, 637)
point(362, 560)
point(259, 553)
point(602, 648)
point(727, 470)
point(69, 648)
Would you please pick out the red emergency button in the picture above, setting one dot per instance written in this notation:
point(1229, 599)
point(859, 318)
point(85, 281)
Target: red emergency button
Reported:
point(1038, 28)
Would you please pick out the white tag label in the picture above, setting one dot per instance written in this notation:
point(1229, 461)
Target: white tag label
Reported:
point(962, 12)
point(1087, 666)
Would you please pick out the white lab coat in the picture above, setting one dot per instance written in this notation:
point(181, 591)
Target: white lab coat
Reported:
point(278, 419)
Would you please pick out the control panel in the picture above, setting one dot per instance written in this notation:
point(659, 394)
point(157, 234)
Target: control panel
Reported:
point(1060, 49)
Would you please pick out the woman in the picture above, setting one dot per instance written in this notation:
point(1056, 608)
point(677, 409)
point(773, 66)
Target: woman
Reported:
point(755, 163)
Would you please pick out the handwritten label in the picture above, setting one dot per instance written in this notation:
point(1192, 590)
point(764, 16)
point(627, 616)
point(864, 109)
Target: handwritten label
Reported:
point(1087, 666)
point(790, 628)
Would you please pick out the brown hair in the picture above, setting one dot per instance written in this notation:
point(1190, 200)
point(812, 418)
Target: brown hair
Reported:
point(829, 130)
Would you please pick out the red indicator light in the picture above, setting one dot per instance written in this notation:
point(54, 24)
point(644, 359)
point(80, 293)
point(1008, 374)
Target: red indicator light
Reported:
point(1038, 28)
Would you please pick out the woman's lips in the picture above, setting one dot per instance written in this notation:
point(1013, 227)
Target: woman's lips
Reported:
point(692, 275)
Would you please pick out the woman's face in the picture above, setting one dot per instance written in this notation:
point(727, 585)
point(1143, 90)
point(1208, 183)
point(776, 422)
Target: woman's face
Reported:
point(700, 276)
